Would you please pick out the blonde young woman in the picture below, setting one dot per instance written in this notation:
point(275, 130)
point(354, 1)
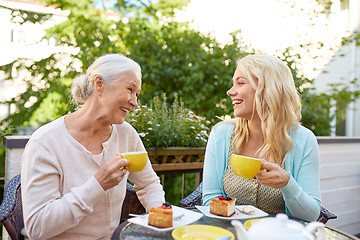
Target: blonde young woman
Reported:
point(267, 126)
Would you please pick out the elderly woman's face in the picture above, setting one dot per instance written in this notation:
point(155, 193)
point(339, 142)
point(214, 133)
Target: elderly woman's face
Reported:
point(120, 97)
point(242, 95)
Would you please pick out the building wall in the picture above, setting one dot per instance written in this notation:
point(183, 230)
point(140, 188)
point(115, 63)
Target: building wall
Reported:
point(340, 182)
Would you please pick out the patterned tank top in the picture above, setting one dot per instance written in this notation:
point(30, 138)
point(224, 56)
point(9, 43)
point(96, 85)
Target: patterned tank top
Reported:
point(250, 191)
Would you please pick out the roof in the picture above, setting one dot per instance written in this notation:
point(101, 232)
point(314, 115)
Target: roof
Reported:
point(33, 2)
point(31, 5)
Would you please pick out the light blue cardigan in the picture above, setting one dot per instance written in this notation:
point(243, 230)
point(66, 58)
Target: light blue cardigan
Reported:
point(301, 194)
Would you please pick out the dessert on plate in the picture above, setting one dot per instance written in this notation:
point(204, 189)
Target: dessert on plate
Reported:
point(161, 217)
point(223, 206)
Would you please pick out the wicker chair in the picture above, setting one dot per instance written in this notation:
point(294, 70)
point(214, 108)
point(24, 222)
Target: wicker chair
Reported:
point(11, 209)
point(11, 214)
point(131, 204)
point(195, 198)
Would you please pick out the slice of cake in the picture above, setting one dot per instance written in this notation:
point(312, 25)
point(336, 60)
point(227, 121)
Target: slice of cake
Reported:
point(223, 206)
point(161, 217)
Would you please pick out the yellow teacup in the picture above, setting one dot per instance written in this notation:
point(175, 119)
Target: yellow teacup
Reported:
point(245, 167)
point(137, 160)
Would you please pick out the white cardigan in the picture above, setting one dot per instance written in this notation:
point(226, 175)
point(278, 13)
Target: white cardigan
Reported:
point(60, 195)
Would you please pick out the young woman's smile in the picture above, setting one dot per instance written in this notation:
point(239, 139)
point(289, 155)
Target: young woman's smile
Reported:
point(242, 95)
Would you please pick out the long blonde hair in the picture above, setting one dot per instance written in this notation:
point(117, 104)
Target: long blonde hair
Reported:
point(276, 102)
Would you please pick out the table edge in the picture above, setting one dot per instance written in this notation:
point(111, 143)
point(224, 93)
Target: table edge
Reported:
point(342, 232)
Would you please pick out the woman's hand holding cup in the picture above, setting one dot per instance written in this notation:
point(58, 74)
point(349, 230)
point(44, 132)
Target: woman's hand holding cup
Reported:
point(272, 175)
point(112, 172)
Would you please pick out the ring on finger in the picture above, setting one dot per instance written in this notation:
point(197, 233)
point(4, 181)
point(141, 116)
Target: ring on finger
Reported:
point(123, 171)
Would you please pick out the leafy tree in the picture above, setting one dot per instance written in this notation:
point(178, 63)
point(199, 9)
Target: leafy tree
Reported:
point(201, 75)
point(315, 107)
point(157, 46)
point(175, 60)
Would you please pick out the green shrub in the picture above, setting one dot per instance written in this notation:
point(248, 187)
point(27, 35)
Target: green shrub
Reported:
point(172, 187)
point(163, 125)
point(160, 125)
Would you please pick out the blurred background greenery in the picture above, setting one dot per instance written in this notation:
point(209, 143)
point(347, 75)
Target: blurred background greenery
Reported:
point(176, 60)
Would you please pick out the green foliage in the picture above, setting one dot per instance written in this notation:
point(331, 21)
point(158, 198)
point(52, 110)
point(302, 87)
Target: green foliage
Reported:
point(175, 60)
point(38, 92)
point(160, 125)
point(2, 160)
point(2, 157)
point(316, 113)
point(326, 4)
point(315, 107)
point(342, 94)
point(172, 187)
point(23, 16)
point(354, 38)
point(85, 28)
point(204, 68)
point(166, 7)
point(157, 46)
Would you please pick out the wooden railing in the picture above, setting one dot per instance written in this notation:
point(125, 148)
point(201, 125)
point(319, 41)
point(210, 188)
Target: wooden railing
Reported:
point(178, 160)
point(165, 161)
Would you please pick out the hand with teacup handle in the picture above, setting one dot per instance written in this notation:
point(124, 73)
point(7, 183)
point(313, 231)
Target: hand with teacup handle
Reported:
point(112, 173)
point(272, 175)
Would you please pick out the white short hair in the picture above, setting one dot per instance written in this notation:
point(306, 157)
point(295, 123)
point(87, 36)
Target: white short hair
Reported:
point(110, 67)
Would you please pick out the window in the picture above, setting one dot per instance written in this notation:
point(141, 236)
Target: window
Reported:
point(22, 37)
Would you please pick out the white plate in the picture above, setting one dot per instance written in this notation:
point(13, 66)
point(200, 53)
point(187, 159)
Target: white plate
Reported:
point(189, 217)
point(257, 213)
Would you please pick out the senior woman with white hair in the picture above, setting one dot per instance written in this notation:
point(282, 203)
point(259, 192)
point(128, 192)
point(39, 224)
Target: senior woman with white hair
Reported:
point(73, 184)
